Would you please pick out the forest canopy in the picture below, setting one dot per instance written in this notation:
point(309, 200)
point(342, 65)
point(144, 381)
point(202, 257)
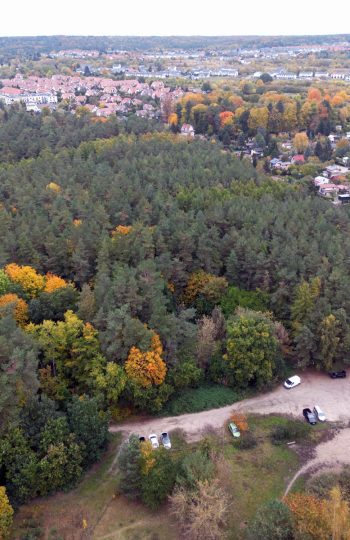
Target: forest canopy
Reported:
point(136, 267)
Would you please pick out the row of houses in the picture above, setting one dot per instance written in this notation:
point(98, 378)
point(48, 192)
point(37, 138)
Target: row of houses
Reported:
point(11, 95)
point(306, 75)
point(112, 96)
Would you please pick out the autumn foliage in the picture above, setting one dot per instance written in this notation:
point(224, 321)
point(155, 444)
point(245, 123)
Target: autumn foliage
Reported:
point(146, 368)
point(122, 230)
point(20, 308)
point(226, 118)
point(27, 277)
point(240, 420)
point(310, 514)
point(31, 282)
point(53, 283)
point(206, 284)
point(6, 514)
point(52, 186)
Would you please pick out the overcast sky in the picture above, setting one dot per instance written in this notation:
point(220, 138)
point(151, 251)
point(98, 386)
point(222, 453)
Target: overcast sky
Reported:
point(180, 17)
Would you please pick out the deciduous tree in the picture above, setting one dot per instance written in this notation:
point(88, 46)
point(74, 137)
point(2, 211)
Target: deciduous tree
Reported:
point(6, 514)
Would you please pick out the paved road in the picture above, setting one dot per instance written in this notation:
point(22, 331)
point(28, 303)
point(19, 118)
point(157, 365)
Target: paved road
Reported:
point(333, 396)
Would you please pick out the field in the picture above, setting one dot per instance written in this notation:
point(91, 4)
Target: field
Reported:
point(94, 510)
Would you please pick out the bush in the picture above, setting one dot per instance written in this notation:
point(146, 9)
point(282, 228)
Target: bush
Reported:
point(195, 467)
point(321, 485)
point(273, 521)
point(293, 430)
point(247, 441)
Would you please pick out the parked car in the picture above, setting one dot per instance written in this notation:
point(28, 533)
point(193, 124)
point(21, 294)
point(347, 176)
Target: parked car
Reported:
point(165, 440)
point(320, 415)
point(309, 416)
point(154, 440)
point(234, 430)
point(142, 439)
point(337, 374)
point(292, 381)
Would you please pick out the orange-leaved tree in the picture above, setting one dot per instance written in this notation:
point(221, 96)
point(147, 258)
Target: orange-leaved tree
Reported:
point(52, 283)
point(20, 308)
point(310, 516)
point(27, 277)
point(146, 368)
point(122, 230)
point(226, 118)
point(314, 94)
point(240, 420)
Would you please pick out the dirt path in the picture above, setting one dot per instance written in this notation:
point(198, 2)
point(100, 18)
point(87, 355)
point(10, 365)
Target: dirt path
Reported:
point(330, 455)
point(118, 532)
point(333, 396)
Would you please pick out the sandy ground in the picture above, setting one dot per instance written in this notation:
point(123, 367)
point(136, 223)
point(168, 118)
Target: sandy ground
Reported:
point(333, 396)
point(328, 455)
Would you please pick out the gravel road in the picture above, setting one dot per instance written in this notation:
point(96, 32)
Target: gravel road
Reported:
point(333, 396)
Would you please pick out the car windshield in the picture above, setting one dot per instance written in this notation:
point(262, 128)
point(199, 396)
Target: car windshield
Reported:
point(288, 381)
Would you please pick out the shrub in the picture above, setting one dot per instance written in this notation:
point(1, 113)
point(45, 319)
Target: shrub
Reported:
point(292, 430)
point(195, 467)
point(272, 521)
point(247, 441)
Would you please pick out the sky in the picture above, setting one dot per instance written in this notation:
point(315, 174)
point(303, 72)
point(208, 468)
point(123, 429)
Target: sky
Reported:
point(180, 17)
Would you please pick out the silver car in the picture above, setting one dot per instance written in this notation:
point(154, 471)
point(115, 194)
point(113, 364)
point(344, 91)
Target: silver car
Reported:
point(319, 414)
point(165, 440)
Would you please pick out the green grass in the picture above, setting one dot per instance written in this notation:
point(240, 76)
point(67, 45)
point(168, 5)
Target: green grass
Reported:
point(258, 475)
point(201, 399)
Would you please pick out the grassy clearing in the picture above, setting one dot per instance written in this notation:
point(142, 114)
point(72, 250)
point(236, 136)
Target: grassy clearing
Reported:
point(259, 474)
point(251, 476)
point(202, 399)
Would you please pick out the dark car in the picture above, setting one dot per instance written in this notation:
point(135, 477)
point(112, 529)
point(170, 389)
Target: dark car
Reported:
point(309, 416)
point(337, 374)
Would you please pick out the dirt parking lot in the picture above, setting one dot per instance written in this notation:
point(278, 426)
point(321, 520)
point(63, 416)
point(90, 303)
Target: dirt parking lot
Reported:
point(333, 396)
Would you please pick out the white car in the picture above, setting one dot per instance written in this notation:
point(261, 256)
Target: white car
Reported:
point(319, 413)
point(154, 440)
point(292, 381)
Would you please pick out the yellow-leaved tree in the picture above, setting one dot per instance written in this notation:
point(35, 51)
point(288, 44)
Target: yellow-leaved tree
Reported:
point(6, 514)
point(147, 368)
point(27, 277)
